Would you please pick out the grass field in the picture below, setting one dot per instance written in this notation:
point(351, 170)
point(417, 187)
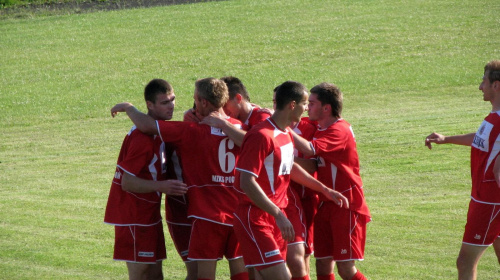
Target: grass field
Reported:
point(407, 68)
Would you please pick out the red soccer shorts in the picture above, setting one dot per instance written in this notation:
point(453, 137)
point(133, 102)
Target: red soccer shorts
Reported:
point(140, 244)
point(310, 206)
point(295, 214)
point(483, 224)
point(260, 238)
point(180, 235)
point(339, 233)
point(212, 241)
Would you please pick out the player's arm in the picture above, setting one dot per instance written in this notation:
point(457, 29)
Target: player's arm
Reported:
point(252, 189)
point(233, 132)
point(302, 145)
point(135, 184)
point(143, 122)
point(463, 139)
point(309, 165)
point(299, 175)
point(496, 171)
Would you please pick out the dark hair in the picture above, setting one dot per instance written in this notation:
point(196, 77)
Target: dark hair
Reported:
point(287, 92)
point(155, 87)
point(493, 69)
point(235, 86)
point(328, 93)
point(213, 90)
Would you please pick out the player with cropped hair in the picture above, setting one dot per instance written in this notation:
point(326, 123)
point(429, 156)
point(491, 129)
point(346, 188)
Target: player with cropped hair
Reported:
point(208, 160)
point(483, 218)
point(339, 234)
point(135, 196)
point(265, 168)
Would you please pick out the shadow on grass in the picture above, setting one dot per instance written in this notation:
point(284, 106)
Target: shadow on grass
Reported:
point(77, 7)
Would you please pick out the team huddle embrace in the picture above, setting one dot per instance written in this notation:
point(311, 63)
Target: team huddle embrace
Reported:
point(264, 188)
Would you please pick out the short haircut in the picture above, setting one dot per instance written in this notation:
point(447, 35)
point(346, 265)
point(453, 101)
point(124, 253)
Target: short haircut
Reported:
point(287, 92)
point(213, 90)
point(493, 69)
point(235, 86)
point(155, 87)
point(330, 94)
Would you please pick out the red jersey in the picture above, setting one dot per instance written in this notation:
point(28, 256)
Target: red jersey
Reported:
point(143, 156)
point(484, 151)
point(267, 154)
point(338, 163)
point(306, 130)
point(176, 206)
point(256, 116)
point(207, 157)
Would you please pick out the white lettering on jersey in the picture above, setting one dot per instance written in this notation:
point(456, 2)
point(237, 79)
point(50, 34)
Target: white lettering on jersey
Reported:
point(227, 160)
point(482, 135)
point(272, 253)
point(286, 159)
point(222, 179)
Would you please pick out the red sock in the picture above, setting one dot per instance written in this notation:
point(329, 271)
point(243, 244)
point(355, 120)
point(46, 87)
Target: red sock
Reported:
point(358, 276)
point(301, 278)
point(326, 277)
point(240, 276)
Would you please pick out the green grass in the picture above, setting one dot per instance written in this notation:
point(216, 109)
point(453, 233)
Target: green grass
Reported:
point(407, 68)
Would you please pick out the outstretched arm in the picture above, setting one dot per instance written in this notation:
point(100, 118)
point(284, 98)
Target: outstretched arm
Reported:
point(302, 145)
point(143, 122)
point(134, 184)
point(463, 139)
point(252, 189)
point(300, 176)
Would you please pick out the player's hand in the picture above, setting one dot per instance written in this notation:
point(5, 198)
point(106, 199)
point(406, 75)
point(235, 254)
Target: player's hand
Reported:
point(434, 138)
point(285, 227)
point(172, 187)
point(214, 120)
point(338, 198)
point(120, 107)
point(191, 116)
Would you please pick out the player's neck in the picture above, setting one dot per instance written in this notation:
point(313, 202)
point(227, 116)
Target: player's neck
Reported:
point(281, 119)
point(246, 108)
point(328, 121)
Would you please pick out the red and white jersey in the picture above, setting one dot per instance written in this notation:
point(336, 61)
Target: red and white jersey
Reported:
point(306, 130)
point(338, 163)
point(143, 156)
point(207, 157)
point(256, 116)
point(267, 154)
point(484, 151)
point(176, 206)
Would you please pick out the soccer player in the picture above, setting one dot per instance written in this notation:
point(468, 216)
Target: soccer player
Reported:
point(339, 234)
point(302, 205)
point(483, 218)
point(135, 196)
point(208, 160)
point(265, 168)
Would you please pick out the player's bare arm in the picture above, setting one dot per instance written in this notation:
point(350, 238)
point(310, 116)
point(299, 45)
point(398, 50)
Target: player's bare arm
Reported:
point(135, 184)
point(463, 139)
point(234, 133)
point(302, 145)
point(143, 122)
point(252, 189)
point(299, 175)
point(309, 165)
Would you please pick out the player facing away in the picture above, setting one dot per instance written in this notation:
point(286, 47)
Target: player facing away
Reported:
point(264, 170)
point(339, 234)
point(483, 218)
point(135, 196)
point(208, 159)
